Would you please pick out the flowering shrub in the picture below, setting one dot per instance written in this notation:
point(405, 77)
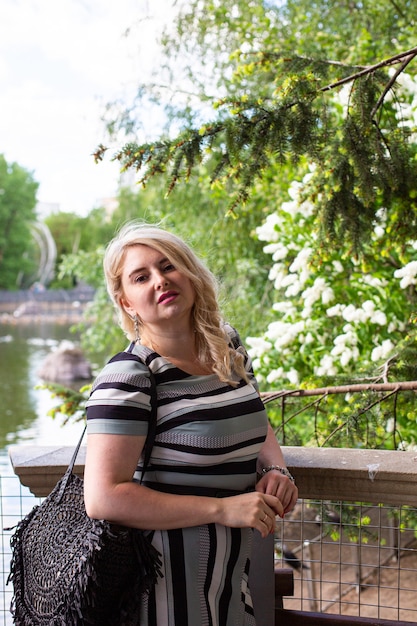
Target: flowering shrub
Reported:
point(337, 315)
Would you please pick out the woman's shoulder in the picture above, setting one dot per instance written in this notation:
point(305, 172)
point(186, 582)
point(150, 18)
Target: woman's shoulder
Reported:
point(233, 335)
point(128, 366)
point(134, 353)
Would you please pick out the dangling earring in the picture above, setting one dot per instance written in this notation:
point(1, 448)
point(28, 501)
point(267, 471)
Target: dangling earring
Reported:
point(136, 327)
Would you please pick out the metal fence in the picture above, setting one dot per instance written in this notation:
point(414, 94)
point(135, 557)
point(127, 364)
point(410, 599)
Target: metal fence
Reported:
point(351, 559)
point(348, 558)
point(15, 502)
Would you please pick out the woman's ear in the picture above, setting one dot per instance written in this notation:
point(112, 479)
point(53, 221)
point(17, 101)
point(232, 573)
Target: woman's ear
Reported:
point(126, 307)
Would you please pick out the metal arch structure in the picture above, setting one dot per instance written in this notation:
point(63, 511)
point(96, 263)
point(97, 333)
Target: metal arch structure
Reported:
point(47, 253)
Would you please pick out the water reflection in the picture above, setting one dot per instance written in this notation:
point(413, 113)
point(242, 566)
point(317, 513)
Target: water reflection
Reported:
point(24, 420)
point(23, 408)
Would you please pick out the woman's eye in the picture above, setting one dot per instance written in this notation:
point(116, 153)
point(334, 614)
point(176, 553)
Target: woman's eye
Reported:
point(140, 279)
point(169, 267)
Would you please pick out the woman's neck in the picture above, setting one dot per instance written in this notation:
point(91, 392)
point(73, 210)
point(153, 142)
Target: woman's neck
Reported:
point(175, 344)
point(179, 349)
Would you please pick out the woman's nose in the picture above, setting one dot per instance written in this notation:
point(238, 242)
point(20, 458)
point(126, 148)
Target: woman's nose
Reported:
point(160, 280)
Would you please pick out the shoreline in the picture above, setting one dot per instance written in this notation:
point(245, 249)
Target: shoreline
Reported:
point(57, 317)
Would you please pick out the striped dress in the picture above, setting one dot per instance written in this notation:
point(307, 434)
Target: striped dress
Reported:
point(208, 438)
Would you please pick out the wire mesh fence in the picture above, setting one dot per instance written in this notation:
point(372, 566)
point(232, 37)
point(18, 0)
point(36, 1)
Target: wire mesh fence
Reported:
point(15, 502)
point(348, 558)
point(351, 559)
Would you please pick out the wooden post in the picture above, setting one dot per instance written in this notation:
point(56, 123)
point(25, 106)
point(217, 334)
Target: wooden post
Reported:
point(262, 579)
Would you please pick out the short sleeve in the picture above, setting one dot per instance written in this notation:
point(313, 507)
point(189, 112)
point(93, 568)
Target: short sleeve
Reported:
point(120, 399)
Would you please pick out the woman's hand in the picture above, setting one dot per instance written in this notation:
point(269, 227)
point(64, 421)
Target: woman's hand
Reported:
point(276, 484)
point(254, 510)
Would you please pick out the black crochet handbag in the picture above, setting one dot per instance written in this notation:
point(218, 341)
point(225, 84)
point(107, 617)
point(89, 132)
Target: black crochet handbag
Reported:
point(70, 570)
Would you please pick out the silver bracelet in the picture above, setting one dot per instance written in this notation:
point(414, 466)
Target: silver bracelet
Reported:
point(282, 470)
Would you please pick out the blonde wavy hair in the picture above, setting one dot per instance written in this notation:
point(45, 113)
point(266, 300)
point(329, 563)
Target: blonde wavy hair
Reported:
point(212, 341)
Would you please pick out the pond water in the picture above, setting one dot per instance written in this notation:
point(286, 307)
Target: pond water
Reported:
point(24, 408)
point(24, 420)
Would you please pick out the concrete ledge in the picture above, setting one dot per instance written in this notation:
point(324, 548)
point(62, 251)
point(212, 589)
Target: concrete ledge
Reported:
point(40, 467)
point(375, 476)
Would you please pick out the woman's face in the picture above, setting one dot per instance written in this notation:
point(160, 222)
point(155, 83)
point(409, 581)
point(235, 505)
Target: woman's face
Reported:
point(154, 289)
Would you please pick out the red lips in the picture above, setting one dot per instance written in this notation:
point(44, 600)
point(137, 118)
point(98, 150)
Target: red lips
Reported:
point(166, 296)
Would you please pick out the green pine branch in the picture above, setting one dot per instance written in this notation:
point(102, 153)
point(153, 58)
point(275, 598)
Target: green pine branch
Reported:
point(364, 162)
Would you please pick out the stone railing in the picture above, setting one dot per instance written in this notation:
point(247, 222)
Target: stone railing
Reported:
point(350, 475)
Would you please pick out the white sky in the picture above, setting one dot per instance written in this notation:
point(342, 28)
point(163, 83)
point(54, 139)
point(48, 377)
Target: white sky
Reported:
point(60, 61)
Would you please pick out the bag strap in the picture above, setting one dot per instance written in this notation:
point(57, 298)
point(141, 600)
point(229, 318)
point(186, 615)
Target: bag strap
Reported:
point(77, 449)
point(150, 437)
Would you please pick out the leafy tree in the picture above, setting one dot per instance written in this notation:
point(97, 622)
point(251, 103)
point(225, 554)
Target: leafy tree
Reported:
point(17, 213)
point(339, 319)
point(275, 67)
point(315, 100)
point(73, 233)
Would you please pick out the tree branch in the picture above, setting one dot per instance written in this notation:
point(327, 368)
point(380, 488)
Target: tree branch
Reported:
point(371, 68)
point(364, 410)
point(269, 396)
point(397, 8)
point(391, 82)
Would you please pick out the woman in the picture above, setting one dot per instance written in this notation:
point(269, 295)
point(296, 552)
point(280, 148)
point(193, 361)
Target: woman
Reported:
point(200, 497)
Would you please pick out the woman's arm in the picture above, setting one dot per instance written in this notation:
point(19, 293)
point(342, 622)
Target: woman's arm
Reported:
point(273, 482)
point(110, 494)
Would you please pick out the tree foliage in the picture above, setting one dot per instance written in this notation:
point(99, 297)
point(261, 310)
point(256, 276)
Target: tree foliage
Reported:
point(73, 233)
point(299, 118)
point(277, 68)
point(17, 213)
point(339, 319)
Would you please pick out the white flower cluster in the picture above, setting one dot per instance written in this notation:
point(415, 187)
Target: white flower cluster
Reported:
point(383, 351)
point(280, 374)
point(367, 312)
point(408, 274)
point(268, 232)
point(327, 366)
point(283, 334)
point(346, 346)
point(319, 291)
point(258, 346)
point(331, 318)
